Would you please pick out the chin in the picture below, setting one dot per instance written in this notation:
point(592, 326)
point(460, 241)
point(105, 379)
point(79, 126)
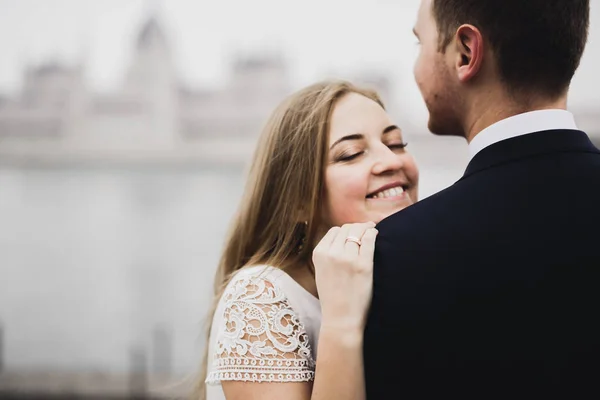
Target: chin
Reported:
point(444, 126)
point(444, 116)
point(434, 128)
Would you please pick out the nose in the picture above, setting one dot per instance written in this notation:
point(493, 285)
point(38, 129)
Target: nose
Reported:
point(386, 161)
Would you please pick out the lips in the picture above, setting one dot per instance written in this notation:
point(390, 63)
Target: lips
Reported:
point(391, 190)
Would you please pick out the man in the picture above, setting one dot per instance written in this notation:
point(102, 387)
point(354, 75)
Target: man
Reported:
point(491, 288)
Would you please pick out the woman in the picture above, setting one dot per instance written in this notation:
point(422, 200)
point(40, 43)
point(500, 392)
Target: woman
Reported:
point(329, 165)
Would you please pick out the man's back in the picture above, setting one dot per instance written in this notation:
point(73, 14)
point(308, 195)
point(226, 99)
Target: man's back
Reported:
point(492, 285)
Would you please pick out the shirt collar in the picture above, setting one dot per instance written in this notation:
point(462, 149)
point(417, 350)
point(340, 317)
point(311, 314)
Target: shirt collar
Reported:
point(521, 124)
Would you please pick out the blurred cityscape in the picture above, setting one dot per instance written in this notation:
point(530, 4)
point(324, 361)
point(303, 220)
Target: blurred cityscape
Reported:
point(113, 209)
point(152, 117)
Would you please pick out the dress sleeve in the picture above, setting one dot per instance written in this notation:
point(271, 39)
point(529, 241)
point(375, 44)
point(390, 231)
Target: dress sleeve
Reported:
point(260, 338)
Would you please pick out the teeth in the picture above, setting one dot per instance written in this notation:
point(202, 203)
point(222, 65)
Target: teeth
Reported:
point(397, 191)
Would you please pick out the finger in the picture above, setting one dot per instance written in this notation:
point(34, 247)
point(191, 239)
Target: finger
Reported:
point(367, 248)
point(356, 231)
point(340, 238)
point(328, 239)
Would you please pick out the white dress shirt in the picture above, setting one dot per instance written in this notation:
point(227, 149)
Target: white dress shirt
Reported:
point(521, 124)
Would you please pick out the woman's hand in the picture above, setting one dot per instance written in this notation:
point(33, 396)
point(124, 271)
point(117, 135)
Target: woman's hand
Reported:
point(343, 262)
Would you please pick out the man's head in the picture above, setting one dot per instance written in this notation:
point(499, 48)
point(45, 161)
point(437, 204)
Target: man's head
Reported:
point(526, 49)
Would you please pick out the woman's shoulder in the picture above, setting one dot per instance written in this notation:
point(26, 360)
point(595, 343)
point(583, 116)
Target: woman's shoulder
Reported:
point(258, 272)
point(259, 335)
point(257, 283)
point(265, 282)
point(262, 284)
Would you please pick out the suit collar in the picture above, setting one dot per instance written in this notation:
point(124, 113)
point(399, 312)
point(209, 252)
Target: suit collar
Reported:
point(536, 143)
point(522, 124)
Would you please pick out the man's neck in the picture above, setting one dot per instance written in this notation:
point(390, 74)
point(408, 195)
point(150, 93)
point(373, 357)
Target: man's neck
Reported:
point(492, 109)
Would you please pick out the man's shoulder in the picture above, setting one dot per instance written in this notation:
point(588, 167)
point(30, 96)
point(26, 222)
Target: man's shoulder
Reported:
point(427, 209)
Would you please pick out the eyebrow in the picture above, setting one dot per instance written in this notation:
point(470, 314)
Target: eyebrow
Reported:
point(359, 136)
point(356, 136)
point(390, 128)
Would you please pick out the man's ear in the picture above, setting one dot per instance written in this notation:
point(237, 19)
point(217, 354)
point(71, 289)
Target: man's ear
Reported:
point(469, 47)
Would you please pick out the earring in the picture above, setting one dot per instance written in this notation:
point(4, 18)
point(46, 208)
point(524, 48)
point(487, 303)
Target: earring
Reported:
point(302, 238)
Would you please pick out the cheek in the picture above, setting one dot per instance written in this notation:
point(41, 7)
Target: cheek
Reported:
point(412, 171)
point(417, 70)
point(412, 174)
point(423, 71)
point(345, 196)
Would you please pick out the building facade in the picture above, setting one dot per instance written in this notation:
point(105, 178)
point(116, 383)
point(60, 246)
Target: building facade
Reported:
point(151, 117)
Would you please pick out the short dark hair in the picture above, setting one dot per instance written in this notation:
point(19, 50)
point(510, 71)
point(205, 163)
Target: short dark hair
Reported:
point(538, 44)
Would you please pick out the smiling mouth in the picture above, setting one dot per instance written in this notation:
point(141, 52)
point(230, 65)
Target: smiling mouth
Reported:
point(388, 193)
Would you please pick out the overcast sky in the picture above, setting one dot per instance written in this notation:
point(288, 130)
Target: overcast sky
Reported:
point(317, 37)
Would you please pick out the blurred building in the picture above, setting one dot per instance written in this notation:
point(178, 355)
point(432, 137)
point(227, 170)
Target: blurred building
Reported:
point(56, 117)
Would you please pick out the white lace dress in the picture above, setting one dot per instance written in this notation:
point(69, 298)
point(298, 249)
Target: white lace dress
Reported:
point(265, 329)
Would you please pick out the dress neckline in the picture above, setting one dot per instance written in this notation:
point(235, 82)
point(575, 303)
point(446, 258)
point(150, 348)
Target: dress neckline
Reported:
point(281, 273)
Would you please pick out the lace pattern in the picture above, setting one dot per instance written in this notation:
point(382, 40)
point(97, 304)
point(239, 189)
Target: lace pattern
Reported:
point(261, 338)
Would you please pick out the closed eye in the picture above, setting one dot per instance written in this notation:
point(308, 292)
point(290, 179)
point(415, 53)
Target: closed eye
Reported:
point(398, 146)
point(350, 157)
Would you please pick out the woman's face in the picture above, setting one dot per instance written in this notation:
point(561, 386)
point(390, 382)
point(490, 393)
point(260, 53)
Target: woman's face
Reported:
point(369, 175)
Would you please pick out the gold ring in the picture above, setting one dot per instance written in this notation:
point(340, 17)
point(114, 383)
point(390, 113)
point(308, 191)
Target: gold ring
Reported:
point(353, 239)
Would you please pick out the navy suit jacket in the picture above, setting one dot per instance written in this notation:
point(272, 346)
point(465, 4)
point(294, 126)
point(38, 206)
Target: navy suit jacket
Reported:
point(492, 286)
